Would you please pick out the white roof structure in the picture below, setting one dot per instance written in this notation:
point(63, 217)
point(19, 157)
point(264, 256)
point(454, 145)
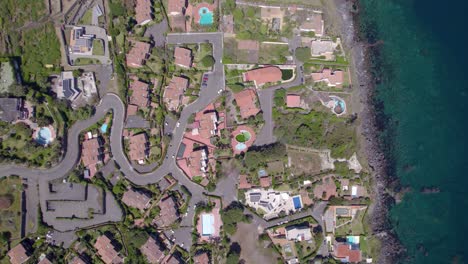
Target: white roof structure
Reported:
point(207, 224)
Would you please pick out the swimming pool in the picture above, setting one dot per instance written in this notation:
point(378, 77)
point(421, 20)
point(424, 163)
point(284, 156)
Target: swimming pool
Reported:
point(241, 146)
point(44, 136)
point(104, 128)
point(206, 16)
point(297, 202)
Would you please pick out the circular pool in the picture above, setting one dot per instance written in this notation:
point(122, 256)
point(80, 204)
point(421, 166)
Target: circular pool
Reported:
point(44, 136)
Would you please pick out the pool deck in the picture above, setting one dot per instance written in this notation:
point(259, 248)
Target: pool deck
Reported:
point(248, 143)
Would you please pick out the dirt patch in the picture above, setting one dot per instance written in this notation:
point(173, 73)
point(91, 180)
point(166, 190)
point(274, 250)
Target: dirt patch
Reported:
point(5, 201)
point(304, 163)
point(253, 250)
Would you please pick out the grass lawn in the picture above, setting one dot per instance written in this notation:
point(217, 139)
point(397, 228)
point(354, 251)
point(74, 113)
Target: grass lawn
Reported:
point(204, 49)
point(273, 53)
point(86, 19)
point(98, 47)
point(10, 218)
point(86, 61)
point(356, 227)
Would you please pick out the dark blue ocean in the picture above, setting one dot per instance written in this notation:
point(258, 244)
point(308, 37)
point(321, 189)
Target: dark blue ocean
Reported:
point(423, 83)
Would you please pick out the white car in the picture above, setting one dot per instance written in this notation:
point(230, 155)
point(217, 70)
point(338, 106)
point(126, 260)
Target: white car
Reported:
point(178, 124)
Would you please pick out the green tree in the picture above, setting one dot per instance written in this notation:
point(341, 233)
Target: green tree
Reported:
point(303, 54)
point(208, 61)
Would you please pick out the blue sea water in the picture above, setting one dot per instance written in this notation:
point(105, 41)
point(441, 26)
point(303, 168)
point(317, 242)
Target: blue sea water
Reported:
point(423, 85)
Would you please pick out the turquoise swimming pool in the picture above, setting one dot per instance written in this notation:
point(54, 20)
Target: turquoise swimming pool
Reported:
point(104, 128)
point(44, 136)
point(206, 17)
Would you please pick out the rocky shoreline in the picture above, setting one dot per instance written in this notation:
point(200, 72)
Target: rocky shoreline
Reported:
point(370, 115)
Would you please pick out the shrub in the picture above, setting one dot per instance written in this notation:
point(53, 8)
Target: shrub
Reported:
point(208, 61)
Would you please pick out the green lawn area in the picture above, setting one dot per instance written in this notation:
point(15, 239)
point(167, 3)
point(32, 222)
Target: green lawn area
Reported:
point(203, 50)
point(98, 47)
point(10, 216)
point(273, 53)
point(86, 19)
point(86, 61)
point(356, 227)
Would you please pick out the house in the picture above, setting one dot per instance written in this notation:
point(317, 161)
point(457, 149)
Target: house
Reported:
point(136, 199)
point(197, 162)
point(265, 182)
point(80, 42)
point(11, 109)
point(173, 260)
point(322, 48)
point(138, 54)
point(244, 182)
point(325, 189)
point(330, 77)
point(174, 92)
point(183, 57)
point(168, 213)
point(91, 155)
point(205, 124)
point(106, 250)
point(293, 100)
point(246, 100)
point(153, 251)
point(347, 253)
point(139, 94)
point(313, 24)
point(143, 14)
point(67, 86)
point(248, 45)
point(18, 254)
point(44, 260)
point(176, 14)
point(138, 147)
point(262, 76)
point(77, 260)
point(298, 233)
point(202, 258)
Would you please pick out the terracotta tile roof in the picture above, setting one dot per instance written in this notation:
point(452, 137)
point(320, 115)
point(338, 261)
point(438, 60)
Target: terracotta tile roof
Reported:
point(18, 254)
point(177, 22)
point(207, 124)
point(332, 78)
point(244, 182)
point(261, 76)
point(326, 189)
point(91, 152)
point(183, 57)
point(138, 147)
point(106, 250)
point(143, 11)
point(293, 100)
point(174, 91)
point(248, 44)
point(176, 7)
point(45, 261)
point(173, 260)
point(138, 53)
point(132, 110)
point(265, 182)
point(344, 252)
point(246, 100)
point(77, 260)
point(201, 259)
point(140, 92)
point(153, 251)
point(313, 23)
point(136, 199)
point(168, 213)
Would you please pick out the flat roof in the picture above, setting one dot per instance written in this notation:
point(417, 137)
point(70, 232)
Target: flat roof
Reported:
point(207, 224)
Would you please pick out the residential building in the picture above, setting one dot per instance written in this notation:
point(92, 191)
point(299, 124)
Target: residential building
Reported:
point(293, 100)
point(173, 260)
point(138, 54)
point(136, 199)
point(183, 57)
point(143, 13)
point(77, 260)
point(205, 124)
point(11, 109)
point(325, 189)
point(330, 77)
point(44, 260)
point(174, 92)
point(106, 250)
point(262, 76)
point(246, 100)
point(153, 251)
point(244, 182)
point(176, 14)
point(197, 162)
point(202, 258)
point(139, 93)
point(19, 254)
point(320, 48)
point(80, 42)
point(67, 86)
point(138, 147)
point(347, 253)
point(168, 213)
point(314, 23)
point(91, 155)
point(298, 233)
point(265, 182)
